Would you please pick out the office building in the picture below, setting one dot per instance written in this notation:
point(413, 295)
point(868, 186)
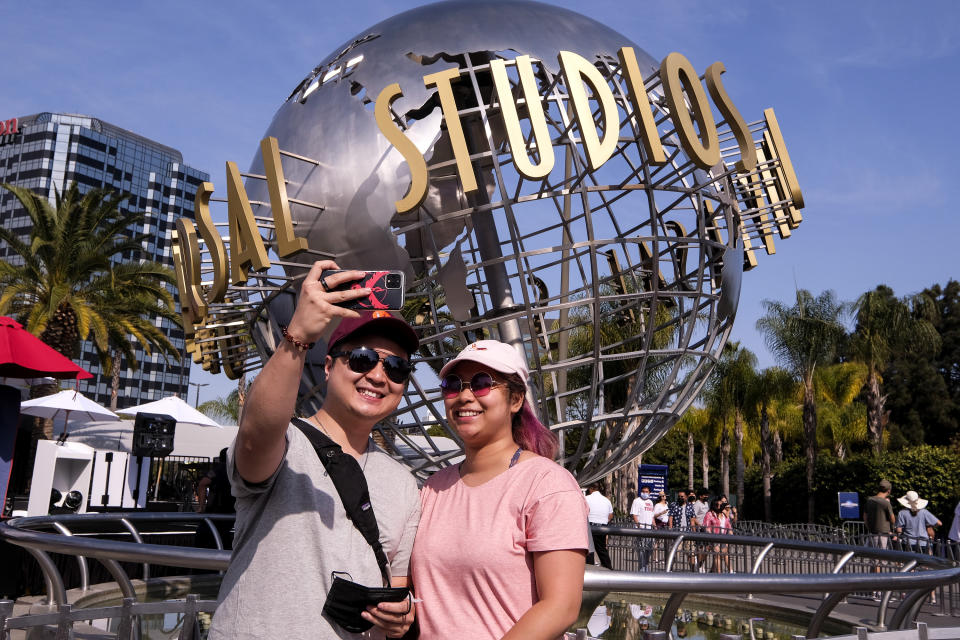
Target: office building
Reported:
point(47, 152)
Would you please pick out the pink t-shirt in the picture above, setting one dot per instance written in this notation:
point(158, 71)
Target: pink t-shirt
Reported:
point(472, 562)
point(713, 523)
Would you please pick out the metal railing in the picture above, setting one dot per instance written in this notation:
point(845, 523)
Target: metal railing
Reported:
point(766, 565)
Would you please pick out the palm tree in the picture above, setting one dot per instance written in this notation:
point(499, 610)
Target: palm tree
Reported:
point(129, 296)
point(71, 280)
point(773, 387)
point(729, 395)
point(694, 423)
point(228, 408)
point(803, 337)
point(883, 323)
point(838, 413)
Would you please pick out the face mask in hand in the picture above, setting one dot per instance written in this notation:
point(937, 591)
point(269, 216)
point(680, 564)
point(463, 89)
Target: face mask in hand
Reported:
point(346, 600)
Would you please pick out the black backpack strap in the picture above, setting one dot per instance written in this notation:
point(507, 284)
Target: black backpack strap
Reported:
point(351, 485)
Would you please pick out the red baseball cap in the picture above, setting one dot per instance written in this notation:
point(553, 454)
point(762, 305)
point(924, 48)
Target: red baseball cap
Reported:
point(382, 323)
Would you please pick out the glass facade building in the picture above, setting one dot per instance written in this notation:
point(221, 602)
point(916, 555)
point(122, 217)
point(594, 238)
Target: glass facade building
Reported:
point(47, 152)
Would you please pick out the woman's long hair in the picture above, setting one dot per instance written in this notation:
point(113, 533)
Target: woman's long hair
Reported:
point(528, 431)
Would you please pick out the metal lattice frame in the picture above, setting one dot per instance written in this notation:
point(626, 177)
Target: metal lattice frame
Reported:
point(620, 285)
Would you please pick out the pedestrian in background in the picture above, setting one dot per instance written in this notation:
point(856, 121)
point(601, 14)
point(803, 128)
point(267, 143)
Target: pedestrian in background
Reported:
point(683, 518)
point(683, 515)
point(642, 513)
point(915, 526)
point(954, 534)
point(878, 517)
point(915, 523)
point(661, 512)
point(700, 509)
point(718, 522)
point(601, 513)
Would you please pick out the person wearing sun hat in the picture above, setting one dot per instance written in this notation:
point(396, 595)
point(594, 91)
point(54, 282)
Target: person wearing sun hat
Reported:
point(292, 530)
point(503, 535)
point(914, 523)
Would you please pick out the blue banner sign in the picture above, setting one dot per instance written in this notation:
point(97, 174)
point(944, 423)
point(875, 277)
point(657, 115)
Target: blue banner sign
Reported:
point(849, 502)
point(653, 476)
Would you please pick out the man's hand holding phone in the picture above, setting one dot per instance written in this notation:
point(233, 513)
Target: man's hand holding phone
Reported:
point(319, 303)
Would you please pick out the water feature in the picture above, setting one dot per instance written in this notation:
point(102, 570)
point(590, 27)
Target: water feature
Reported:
point(625, 616)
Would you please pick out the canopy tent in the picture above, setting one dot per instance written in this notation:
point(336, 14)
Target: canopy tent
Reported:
point(174, 407)
point(71, 405)
point(23, 355)
point(191, 440)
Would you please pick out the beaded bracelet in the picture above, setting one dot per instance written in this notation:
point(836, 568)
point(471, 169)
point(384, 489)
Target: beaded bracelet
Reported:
point(301, 346)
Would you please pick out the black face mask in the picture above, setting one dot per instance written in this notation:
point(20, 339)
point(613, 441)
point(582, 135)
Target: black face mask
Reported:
point(681, 499)
point(346, 600)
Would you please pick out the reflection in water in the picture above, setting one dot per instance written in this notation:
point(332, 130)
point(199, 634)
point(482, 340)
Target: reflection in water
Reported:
point(619, 619)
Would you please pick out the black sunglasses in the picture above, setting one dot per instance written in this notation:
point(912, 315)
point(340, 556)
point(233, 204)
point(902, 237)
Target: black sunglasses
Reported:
point(364, 359)
point(480, 384)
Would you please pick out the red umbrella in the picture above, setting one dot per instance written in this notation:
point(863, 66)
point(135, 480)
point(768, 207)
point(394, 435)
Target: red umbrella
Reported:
point(23, 355)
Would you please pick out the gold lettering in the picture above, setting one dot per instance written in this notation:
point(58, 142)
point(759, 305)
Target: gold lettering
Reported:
point(538, 122)
point(442, 80)
point(193, 349)
point(680, 253)
point(769, 181)
point(753, 199)
point(213, 241)
point(209, 357)
point(779, 149)
point(730, 113)
point(647, 259)
point(794, 217)
point(678, 76)
point(231, 353)
point(186, 313)
point(577, 70)
point(713, 233)
point(288, 243)
point(190, 256)
point(403, 144)
point(246, 244)
point(642, 110)
point(749, 258)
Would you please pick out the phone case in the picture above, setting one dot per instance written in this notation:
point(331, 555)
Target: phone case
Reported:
point(382, 296)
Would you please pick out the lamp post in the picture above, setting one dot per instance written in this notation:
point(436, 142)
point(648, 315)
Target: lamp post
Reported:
point(198, 385)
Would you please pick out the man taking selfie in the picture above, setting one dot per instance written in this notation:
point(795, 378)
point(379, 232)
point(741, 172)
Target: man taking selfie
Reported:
point(301, 568)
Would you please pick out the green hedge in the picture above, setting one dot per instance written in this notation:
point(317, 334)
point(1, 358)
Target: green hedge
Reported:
point(933, 472)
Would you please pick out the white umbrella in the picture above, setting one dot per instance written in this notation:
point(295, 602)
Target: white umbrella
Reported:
point(174, 407)
point(599, 621)
point(73, 405)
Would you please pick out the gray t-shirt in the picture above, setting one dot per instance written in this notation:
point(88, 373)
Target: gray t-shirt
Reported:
point(700, 509)
point(292, 532)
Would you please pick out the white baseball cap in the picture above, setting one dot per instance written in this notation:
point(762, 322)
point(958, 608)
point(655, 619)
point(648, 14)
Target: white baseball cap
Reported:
point(496, 355)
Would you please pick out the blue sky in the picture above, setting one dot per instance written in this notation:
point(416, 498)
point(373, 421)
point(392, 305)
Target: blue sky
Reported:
point(866, 95)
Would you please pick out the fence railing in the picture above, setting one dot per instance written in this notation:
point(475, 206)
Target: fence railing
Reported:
point(666, 557)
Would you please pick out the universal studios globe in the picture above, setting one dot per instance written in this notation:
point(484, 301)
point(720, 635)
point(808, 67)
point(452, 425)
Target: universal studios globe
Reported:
point(618, 283)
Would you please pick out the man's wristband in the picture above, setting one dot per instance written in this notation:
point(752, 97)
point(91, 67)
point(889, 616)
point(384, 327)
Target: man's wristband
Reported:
point(301, 346)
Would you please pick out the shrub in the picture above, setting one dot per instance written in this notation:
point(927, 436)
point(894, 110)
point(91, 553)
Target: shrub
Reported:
point(933, 472)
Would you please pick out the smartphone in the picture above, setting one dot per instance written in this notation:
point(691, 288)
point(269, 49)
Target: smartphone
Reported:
point(387, 290)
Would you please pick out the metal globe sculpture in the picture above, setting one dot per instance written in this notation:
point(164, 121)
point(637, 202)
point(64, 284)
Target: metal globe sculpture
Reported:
point(540, 180)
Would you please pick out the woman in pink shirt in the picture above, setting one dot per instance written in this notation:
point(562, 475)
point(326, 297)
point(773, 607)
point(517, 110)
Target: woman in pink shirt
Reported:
point(503, 535)
point(717, 520)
